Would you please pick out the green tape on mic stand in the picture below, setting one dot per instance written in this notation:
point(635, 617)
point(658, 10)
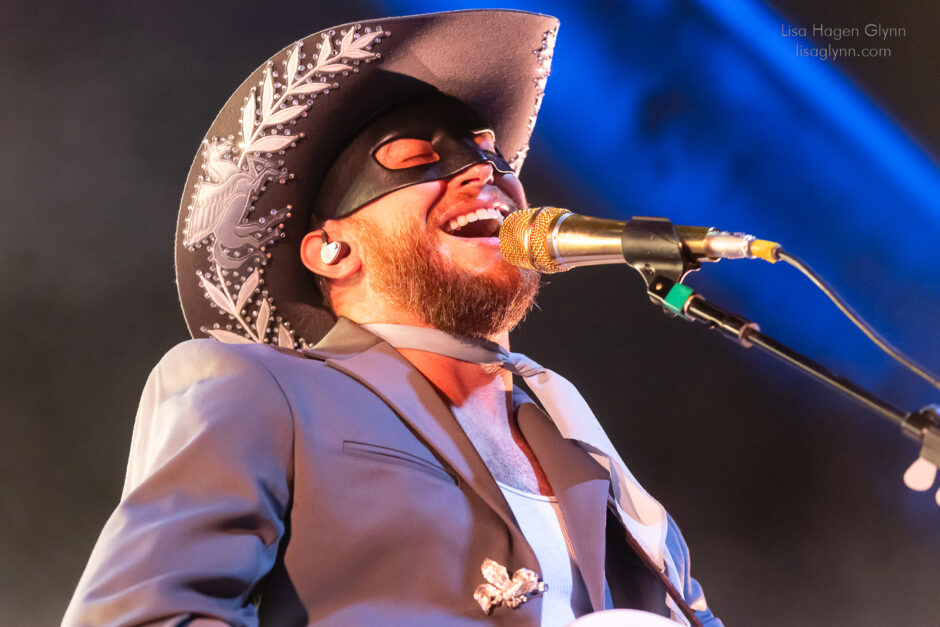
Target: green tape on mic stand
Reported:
point(677, 297)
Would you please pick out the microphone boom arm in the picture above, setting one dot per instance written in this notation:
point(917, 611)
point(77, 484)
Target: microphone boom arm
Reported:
point(681, 300)
point(550, 239)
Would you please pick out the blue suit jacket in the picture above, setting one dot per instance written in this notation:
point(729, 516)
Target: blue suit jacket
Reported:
point(265, 485)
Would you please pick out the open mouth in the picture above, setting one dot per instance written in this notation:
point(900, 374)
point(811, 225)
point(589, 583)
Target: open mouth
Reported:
point(476, 223)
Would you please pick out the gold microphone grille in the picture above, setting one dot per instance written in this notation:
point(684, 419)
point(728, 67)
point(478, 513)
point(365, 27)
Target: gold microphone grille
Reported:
point(523, 239)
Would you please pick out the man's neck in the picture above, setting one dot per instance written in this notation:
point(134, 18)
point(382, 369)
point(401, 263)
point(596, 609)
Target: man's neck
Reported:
point(480, 398)
point(461, 381)
point(457, 380)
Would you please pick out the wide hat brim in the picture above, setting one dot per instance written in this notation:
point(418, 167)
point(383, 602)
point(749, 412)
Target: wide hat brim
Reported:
point(249, 195)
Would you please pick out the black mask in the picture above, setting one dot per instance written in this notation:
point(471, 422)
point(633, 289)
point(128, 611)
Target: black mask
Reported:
point(357, 178)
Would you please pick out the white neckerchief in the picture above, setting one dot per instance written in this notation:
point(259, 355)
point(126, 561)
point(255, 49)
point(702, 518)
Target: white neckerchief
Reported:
point(640, 513)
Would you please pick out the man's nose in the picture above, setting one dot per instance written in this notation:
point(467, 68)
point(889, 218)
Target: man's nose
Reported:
point(482, 173)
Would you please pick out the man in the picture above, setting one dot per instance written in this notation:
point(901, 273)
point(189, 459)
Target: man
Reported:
point(386, 471)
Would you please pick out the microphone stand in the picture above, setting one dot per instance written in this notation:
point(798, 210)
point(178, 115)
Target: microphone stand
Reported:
point(653, 247)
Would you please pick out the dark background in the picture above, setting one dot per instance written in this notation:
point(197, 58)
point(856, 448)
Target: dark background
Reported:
point(790, 497)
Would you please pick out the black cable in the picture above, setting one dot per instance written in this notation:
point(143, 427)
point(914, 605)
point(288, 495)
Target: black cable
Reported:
point(857, 320)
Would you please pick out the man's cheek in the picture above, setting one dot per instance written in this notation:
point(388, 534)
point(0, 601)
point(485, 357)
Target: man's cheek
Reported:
point(444, 251)
point(512, 187)
point(422, 197)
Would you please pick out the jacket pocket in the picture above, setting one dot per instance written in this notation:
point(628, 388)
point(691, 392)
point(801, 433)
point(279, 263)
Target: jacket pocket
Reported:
point(386, 454)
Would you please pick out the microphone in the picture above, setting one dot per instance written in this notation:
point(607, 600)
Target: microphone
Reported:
point(550, 239)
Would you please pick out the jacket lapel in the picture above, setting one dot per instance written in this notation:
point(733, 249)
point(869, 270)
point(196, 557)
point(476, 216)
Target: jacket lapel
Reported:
point(374, 363)
point(581, 486)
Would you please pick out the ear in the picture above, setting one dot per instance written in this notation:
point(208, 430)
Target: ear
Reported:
point(310, 256)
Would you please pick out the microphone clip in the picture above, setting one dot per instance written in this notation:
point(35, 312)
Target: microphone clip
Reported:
point(653, 247)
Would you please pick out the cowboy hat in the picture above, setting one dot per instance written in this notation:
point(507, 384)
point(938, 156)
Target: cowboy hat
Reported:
point(250, 192)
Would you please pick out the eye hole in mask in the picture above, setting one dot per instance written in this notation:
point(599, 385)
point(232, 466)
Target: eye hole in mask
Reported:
point(408, 152)
point(486, 140)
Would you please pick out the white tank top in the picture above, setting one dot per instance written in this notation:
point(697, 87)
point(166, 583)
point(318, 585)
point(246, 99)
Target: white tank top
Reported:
point(540, 520)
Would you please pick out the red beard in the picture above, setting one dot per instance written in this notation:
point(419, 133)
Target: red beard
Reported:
point(405, 268)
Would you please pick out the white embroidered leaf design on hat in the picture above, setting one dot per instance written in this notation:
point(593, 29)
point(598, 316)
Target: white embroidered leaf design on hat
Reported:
point(223, 299)
point(311, 88)
point(286, 115)
point(228, 337)
point(264, 316)
point(284, 338)
point(326, 47)
point(348, 39)
point(247, 288)
point(248, 115)
point(292, 62)
point(361, 42)
point(357, 54)
point(236, 176)
point(336, 67)
point(218, 296)
point(267, 94)
point(271, 143)
point(327, 63)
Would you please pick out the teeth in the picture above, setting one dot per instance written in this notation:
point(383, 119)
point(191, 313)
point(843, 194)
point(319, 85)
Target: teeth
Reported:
point(490, 213)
